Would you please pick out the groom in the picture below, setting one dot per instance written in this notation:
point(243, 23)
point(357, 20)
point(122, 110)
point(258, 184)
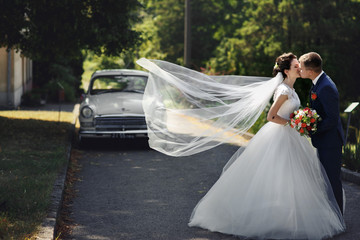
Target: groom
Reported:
point(329, 137)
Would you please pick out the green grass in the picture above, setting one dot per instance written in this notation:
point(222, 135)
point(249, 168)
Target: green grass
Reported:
point(33, 148)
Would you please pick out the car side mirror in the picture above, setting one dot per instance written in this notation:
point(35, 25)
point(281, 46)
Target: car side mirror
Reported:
point(82, 97)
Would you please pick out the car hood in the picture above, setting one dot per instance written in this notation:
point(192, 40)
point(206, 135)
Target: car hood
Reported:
point(117, 103)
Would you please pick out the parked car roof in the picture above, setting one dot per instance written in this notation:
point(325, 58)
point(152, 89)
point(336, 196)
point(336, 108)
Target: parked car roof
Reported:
point(119, 71)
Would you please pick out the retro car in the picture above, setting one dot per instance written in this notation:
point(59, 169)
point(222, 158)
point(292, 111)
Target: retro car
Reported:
point(112, 105)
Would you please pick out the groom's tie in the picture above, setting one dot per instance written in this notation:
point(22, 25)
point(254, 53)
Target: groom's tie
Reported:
point(311, 90)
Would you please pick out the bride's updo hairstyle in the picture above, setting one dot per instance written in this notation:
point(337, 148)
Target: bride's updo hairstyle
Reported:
point(283, 62)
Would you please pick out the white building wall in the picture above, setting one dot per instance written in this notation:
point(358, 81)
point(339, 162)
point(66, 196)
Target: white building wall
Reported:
point(20, 78)
point(17, 79)
point(3, 77)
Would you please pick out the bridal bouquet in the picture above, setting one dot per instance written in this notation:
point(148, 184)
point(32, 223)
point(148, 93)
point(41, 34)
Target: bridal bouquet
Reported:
point(304, 120)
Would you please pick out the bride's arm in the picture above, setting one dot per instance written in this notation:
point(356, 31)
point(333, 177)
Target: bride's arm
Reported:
point(272, 114)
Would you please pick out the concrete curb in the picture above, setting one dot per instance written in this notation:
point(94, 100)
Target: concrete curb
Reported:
point(350, 176)
point(47, 228)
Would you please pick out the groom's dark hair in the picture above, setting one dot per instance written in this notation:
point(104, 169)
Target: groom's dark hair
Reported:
point(312, 61)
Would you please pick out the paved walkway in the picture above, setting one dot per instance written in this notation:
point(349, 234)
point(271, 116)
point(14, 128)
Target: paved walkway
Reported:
point(173, 230)
point(352, 212)
point(130, 192)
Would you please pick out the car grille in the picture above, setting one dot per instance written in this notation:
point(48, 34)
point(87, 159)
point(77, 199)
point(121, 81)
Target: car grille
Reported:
point(120, 123)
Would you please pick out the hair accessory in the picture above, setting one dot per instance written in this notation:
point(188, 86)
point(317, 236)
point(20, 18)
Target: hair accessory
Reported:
point(276, 65)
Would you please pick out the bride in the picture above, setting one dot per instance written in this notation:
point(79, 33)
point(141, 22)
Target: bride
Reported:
point(276, 188)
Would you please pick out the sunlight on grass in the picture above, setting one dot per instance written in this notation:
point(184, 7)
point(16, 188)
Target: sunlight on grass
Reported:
point(33, 149)
point(39, 115)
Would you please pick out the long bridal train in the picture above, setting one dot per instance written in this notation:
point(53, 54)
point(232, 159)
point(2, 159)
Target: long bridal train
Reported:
point(276, 188)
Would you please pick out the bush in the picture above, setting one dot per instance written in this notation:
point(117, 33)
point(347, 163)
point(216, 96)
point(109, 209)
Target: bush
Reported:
point(48, 76)
point(351, 152)
point(35, 97)
point(55, 87)
point(262, 120)
point(351, 156)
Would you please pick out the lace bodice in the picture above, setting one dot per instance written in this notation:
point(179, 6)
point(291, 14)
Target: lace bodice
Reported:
point(291, 104)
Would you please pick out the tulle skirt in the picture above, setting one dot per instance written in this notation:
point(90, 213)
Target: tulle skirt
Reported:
point(276, 189)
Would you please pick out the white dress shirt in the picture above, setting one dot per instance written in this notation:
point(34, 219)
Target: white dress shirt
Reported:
point(317, 78)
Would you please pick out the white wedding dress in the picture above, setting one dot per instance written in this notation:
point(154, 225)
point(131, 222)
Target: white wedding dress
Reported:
point(276, 189)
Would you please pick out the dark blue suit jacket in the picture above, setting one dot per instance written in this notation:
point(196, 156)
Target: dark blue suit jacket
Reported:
point(329, 132)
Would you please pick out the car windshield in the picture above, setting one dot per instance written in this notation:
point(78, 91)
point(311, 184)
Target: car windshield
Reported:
point(122, 83)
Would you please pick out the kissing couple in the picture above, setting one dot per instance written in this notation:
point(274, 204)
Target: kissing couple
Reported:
point(277, 186)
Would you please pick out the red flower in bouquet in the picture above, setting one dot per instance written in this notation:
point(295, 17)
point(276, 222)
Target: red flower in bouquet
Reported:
point(304, 120)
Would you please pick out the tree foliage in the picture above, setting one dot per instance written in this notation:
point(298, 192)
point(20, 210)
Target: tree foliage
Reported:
point(267, 28)
point(163, 25)
point(244, 37)
point(54, 33)
point(228, 36)
point(47, 30)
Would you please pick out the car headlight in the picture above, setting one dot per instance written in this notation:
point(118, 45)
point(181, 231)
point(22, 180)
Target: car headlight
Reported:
point(86, 112)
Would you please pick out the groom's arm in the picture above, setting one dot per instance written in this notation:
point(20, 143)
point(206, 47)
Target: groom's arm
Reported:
point(329, 99)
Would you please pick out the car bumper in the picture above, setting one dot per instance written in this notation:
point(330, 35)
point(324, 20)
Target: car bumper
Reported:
point(113, 134)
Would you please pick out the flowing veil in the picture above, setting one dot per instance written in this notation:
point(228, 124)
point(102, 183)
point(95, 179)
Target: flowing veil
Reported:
point(188, 112)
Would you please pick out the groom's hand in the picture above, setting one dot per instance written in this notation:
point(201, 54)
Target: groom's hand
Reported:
point(311, 133)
